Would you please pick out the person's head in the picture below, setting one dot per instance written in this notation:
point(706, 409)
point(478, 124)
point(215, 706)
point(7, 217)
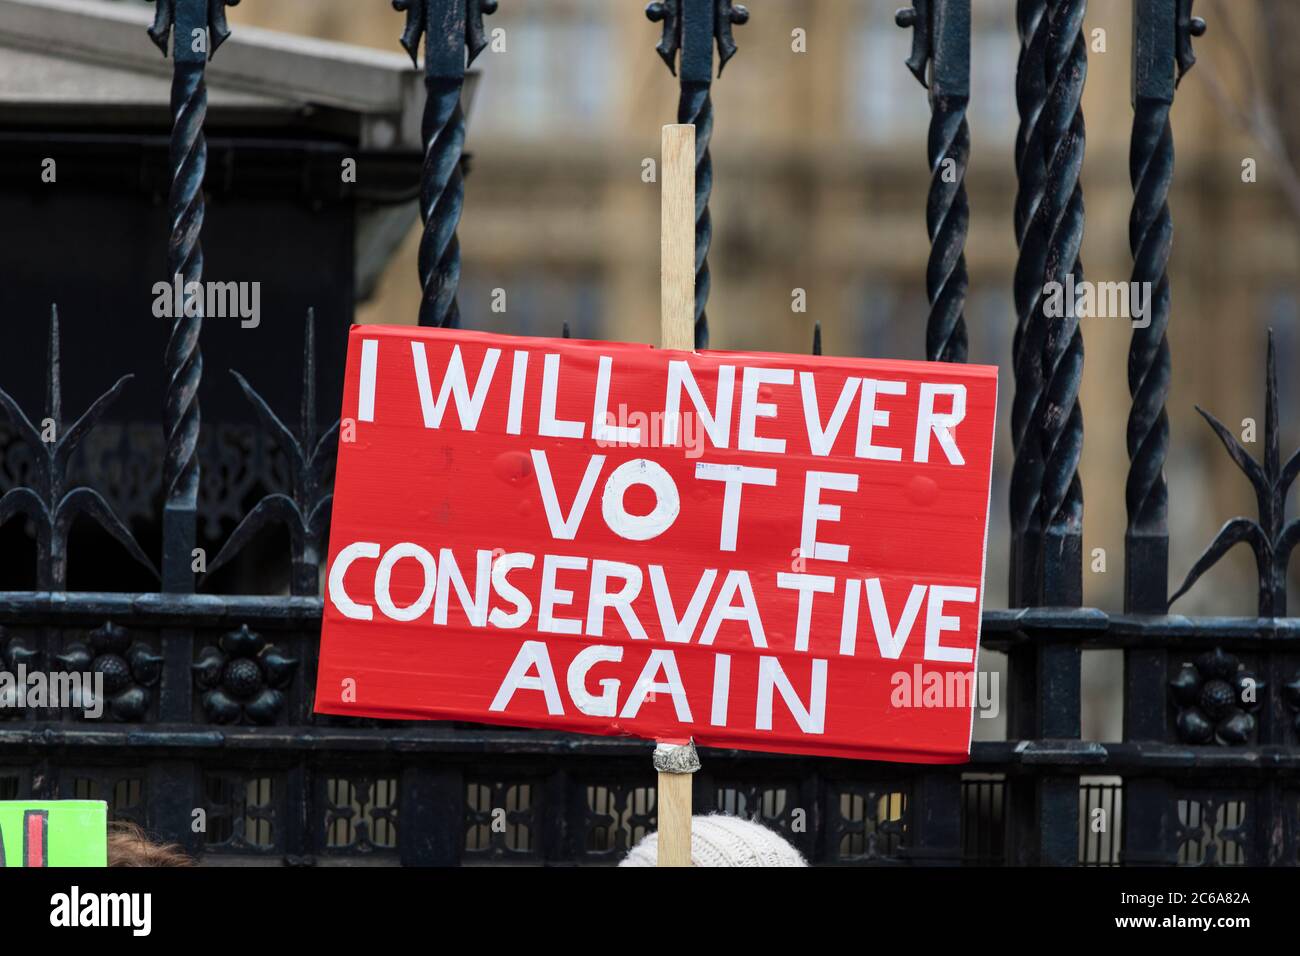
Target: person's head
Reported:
point(129, 845)
point(721, 840)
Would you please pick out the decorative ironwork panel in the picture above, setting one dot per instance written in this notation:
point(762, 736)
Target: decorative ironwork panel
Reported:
point(865, 823)
point(984, 819)
point(501, 820)
point(359, 813)
point(1213, 829)
point(1101, 822)
point(774, 803)
point(124, 790)
point(616, 817)
point(242, 812)
point(13, 784)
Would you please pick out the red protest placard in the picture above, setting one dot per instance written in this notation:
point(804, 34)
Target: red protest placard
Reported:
point(763, 551)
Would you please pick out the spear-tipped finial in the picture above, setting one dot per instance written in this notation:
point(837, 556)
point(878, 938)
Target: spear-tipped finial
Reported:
point(728, 14)
point(724, 13)
point(305, 511)
point(665, 12)
point(54, 374)
point(48, 503)
point(817, 338)
point(1271, 537)
point(187, 19)
point(308, 406)
point(457, 23)
point(1187, 26)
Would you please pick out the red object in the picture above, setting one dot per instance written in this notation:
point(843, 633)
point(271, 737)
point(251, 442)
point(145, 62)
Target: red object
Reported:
point(36, 829)
point(492, 561)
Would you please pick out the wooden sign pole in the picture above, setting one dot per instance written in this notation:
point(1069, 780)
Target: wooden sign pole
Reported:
point(675, 761)
point(677, 238)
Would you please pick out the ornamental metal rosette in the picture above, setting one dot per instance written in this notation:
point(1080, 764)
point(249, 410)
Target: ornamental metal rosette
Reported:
point(130, 668)
point(1217, 700)
point(243, 678)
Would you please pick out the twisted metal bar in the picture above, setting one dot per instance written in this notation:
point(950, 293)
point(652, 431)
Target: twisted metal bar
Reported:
point(947, 217)
point(1059, 216)
point(182, 360)
point(1161, 47)
point(690, 30)
point(695, 106)
point(1047, 423)
point(941, 40)
point(196, 29)
point(1031, 93)
point(453, 36)
point(1151, 169)
point(442, 200)
point(1026, 471)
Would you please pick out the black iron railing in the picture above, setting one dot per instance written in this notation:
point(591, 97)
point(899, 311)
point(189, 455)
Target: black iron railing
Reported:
point(209, 738)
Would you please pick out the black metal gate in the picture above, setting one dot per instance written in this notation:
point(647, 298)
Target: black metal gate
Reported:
point(209, 737)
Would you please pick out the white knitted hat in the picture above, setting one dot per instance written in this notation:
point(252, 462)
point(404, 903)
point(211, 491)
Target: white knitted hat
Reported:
point(720, 840)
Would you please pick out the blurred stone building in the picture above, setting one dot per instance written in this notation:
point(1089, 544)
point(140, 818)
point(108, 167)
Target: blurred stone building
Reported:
point(820, 184)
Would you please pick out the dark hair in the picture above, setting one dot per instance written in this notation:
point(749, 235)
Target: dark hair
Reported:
point(129, 845)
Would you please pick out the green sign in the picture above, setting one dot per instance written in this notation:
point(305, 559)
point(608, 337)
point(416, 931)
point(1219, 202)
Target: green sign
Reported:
point(53, 833)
